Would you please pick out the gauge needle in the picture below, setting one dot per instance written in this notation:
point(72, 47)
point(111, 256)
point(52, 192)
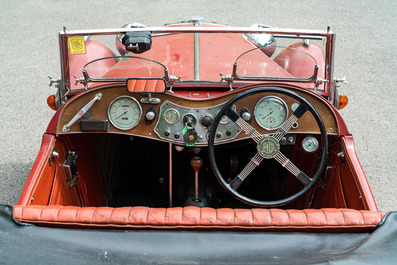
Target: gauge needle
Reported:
point(121, 115)
point(268, 114)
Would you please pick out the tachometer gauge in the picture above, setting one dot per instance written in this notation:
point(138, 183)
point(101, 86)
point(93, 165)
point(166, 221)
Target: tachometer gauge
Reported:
point(271, 112)
point(124, 112)
point(310, 144)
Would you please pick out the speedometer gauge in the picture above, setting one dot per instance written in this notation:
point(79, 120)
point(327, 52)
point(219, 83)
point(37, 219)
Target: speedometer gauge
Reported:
point(271, 112)
point(124, 112)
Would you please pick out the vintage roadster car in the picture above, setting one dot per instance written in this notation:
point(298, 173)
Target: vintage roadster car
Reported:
point(197, 143)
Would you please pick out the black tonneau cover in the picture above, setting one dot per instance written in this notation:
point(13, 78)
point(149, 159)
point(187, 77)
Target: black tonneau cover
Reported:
point(30, 244)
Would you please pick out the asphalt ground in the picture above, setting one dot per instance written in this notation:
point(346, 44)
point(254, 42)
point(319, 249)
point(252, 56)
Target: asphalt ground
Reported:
point(365, 54)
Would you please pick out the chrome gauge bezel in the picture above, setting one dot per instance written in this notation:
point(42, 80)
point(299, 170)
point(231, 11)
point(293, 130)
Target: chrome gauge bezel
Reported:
point(225, 119)
point(314, 140)
point(111, 118)
point(274, 99)
point(171, 110)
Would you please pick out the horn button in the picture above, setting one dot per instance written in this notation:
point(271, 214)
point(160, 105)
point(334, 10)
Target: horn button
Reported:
point(268, 147)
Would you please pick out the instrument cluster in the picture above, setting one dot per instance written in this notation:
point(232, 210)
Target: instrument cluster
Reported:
point(190, 126)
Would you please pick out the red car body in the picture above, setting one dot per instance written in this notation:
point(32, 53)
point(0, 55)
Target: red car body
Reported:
point(175, 180)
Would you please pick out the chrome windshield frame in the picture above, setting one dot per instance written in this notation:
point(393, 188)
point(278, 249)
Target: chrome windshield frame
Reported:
point(64, 88)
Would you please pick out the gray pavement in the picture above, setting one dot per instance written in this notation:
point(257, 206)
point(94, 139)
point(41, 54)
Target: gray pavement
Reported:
point(365, 53)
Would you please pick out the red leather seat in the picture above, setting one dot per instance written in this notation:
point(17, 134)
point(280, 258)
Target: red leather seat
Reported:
point(200, 218)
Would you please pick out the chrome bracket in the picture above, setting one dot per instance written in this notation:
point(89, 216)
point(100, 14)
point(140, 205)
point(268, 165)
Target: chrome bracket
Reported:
point(151, 100)
point(81, 112)
point(318, 82)
point(83, 80)
point(172, 80)
point(228, 79)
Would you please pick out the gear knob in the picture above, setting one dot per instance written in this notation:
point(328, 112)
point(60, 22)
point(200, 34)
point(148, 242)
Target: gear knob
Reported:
point(196, 162)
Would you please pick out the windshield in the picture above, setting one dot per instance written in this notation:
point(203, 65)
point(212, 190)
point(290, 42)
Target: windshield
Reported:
point(196, 57)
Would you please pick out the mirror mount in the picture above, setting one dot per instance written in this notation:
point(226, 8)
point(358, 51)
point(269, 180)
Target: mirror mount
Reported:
point(147, 86)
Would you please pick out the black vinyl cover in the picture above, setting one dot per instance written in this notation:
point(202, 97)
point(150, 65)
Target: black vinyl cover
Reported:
point(30, 244)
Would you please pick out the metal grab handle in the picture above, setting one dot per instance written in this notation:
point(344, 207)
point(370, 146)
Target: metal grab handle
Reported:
point(81, 112)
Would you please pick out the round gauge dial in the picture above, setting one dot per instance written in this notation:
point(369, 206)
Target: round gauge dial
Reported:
point(310, 144)
point(271, 112)
point(171, 116)
point(124, 112)
point(189, 119)
point(225, 119)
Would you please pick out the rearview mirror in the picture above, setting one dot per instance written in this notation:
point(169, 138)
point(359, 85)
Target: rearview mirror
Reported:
point(146, 85)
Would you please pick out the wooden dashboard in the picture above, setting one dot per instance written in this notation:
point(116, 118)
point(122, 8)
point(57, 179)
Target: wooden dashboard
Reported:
point(165, 119)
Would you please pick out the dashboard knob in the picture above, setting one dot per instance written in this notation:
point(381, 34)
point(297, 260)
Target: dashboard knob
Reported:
point(246, 116)
point(206, 121)
point(150, 115)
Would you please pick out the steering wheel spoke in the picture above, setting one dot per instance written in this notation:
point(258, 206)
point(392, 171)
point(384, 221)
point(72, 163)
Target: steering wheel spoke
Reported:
point(252, 164)
point(245, 126)
point(279, 134)
point(286, 163)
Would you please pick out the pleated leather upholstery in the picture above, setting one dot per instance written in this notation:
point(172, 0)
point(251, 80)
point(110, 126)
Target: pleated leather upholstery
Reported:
point(199, 218)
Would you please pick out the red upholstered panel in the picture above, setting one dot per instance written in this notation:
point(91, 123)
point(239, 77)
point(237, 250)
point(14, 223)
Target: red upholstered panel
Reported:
point(199, 218)
point(147, 86)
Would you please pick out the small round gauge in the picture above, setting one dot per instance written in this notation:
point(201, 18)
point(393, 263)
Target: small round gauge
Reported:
point(124, 112)
point(171, 116)
point(189, 119)
point(225, 119)
point(271, 112)
point(310, 144)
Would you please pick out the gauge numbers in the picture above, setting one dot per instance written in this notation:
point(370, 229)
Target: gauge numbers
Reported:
point(124, 112)
point(271, 112)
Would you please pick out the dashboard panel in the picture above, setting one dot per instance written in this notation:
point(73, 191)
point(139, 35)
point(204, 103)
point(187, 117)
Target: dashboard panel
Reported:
point(182, 120)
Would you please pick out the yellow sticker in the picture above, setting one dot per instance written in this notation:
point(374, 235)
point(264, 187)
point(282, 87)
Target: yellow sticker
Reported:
point(76, 45)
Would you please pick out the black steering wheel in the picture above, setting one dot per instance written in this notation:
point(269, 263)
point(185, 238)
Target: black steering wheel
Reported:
point(268, 147)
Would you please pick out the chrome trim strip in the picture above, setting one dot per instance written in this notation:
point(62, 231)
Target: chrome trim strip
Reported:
point(203, 29)
point(196, 54)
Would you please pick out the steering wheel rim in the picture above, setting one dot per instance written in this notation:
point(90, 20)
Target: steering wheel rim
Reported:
point(227, 107)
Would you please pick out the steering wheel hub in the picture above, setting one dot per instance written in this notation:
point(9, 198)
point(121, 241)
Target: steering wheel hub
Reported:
point(268, 147)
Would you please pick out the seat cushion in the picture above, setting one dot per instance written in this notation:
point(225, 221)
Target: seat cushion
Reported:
point(192, 217)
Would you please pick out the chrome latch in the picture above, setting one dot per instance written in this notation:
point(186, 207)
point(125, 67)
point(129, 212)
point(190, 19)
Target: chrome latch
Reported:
point(54, 154)
point(228, 79)
point(172, 80)
point(341, 155)
point(70, 168)
point(54, 81)
point(340, 80)
point(318, 82)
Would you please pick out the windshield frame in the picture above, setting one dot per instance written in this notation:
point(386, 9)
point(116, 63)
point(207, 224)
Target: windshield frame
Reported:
point(65, 82)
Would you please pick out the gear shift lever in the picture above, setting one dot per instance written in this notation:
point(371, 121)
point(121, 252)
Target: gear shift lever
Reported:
point(196, 162)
